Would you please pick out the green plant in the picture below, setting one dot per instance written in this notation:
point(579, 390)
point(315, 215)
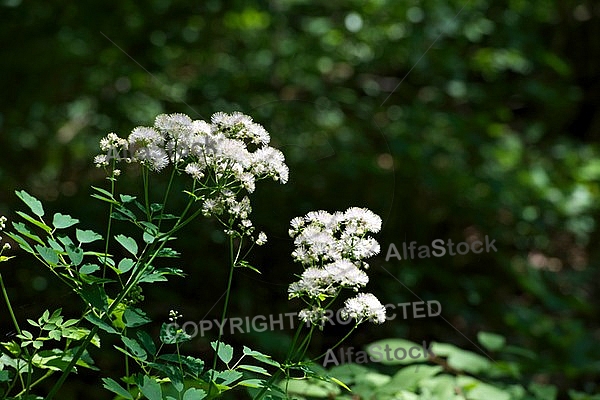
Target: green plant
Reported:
point(219, 163)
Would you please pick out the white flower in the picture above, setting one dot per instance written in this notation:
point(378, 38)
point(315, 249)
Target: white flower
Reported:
point(194, 170)
point(314, 316)
point(211, 207)
point(346, 274)
point(270, 162)
point(363, 219)
point(6, 246)
point(314, 282)
point(3, 220)
point(174, 315)
point(296, 223)
point(152, 156)
point(101, 160)
point(176, 125)
point(262, 239)
point(365, 248)
point(112, 142)
point(362, 307)
point(143, 136)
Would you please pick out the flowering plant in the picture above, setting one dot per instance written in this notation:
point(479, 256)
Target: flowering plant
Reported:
point(221, 162)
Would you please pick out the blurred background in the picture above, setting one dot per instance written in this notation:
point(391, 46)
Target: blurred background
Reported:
point(450, 119)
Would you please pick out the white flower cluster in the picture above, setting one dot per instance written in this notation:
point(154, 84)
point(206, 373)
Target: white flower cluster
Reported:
point(363, 307)
point(224, 156)
point(110, 145)
point(196, 147)
point(332, 247)
point(6, 246)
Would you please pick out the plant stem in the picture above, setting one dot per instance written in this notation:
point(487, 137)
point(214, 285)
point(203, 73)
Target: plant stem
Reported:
point(39, 380)
point(72, 363)
point(224, 314)
point(108, 227)
point(337, 344)
point(10, 310)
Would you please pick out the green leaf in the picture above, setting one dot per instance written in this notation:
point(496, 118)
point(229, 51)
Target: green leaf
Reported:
point(193, 365)
point(168, 252)
point(491, 341)
point(312, 388)
point(172, 372)
point(254, 368)
point(87, 236)
point(94, 295)
point(100, 324)
point(148, 238)
point(543, 392)
point(4, 377)
point(151, 276)
point(227, 377)
point(65, 240)
point(399, 353)
point(21, 242)
point(78, 333)
point(133, 317)
point(123, 214)
point(260, 357)
point(169, 334)
point(150, 388)
point(23, 230)
point(409, 377)
point(225, 352)
point(62, 221)
point(460, 359)
point(340, 383)
point(49, 255)
point(56, 246)
point(128, 243)
point(75, 254)
point(194, 394)
point(483, 391)
point(113, 386)
point(149, 227)
point(125, 265)
point(34, 204)
point(104, 195)
point(125, 198)
point(134, 347)
point(55, 334)
point(87, 269)
point(146, 341)
point(252, 383)
point(34, 221)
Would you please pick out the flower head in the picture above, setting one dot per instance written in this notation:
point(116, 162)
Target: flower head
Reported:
point(231, 151)
point(364, 306)
point(333, 247)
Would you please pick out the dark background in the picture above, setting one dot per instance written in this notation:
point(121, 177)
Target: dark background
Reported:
point(449, 122)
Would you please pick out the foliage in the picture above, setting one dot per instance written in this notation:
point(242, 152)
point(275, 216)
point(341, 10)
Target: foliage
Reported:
point(449, 122)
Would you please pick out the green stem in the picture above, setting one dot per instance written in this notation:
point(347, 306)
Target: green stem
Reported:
point(108, 227)
point(10, 309)
point(263, 391)
point(74, 360)
point(288, 358)
point(146, 190)
point(224, 314)
point(336, 345)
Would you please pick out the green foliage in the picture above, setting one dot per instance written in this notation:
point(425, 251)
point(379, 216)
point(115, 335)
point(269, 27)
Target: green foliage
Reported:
point(491, 130)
